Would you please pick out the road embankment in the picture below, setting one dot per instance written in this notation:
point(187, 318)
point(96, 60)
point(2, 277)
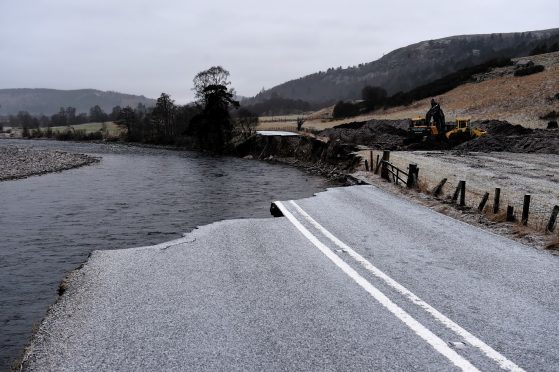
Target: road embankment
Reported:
point(23, 161)
point(332, 159)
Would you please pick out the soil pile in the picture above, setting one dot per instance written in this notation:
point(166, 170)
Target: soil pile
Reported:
point(379, 134)
point(503, 136)
point(502, 128)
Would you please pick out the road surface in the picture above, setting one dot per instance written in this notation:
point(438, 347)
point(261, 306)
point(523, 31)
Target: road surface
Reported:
point(351, 279)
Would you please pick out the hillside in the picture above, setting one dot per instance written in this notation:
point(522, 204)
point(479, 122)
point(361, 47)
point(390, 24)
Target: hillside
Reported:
point(49, 101)
point(411, 66)
point(498, 95)
point(495, 95)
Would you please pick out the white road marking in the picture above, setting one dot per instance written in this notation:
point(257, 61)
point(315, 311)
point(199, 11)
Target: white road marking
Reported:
point(501, 360)
point(438, 344)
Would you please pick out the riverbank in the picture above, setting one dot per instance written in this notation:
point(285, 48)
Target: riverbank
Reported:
point(22, 161)
point(138, 195)
point(330, 159)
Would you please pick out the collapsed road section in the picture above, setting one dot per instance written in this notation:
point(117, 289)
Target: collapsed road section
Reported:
point(351, 279)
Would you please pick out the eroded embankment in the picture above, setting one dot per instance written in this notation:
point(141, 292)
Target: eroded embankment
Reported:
point(332, 159)
point(501, 136)
point(22, 161)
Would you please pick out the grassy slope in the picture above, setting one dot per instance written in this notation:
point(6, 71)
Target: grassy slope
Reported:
point(519, 100)
point(114, 130)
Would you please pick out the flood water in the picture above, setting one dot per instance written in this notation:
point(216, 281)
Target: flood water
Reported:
point(133, 197)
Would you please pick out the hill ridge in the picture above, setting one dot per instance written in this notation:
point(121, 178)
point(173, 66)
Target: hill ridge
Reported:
point(49, 100)
point(408, 67)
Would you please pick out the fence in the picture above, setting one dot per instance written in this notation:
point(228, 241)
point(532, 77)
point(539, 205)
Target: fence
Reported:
point(534, 211)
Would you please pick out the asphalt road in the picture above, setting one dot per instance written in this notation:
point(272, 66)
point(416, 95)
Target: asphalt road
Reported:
point(351, 279)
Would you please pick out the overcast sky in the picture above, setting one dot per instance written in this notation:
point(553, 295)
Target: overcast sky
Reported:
point(149, 47)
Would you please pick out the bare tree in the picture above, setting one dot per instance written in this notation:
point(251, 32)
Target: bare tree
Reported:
point(215, 76)
point(164, 115)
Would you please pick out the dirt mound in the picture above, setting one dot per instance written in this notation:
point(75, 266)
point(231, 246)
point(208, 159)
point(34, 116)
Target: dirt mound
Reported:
point(385, 134)
point(503, 136)
point(501, 128)
point(352, 125)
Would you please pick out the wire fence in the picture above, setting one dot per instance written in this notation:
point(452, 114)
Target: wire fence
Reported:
point(540, 208)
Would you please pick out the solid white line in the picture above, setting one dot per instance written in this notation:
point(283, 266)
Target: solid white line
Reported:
point(501, 360)
point(432, 339)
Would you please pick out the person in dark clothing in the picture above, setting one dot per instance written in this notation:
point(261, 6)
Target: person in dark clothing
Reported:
point(437, 114)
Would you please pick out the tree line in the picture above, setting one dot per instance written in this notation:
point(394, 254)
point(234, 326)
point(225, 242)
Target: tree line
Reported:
point(214, 122)
point(65, 116)
point(374, 98)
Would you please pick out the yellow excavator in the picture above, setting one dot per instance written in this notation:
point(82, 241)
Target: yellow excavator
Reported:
point(463, 125)
point(434, 126)
point(420, 129)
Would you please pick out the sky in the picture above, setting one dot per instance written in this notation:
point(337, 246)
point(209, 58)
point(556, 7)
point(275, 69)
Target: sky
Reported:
point(148, 47)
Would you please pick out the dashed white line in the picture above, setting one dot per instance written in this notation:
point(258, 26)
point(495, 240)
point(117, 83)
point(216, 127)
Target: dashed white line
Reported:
point(438, 344)
point(491, 353)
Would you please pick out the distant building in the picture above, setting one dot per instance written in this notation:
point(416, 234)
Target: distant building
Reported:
point(476, 52)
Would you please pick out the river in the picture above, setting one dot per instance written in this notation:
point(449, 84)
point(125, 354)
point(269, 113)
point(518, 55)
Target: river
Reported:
point(133, 197)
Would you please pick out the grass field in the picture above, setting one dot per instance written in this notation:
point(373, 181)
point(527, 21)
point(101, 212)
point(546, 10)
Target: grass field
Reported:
point(113, 129)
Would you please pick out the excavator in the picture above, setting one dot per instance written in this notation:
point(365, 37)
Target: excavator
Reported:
point(434, 126)
point(463, 126)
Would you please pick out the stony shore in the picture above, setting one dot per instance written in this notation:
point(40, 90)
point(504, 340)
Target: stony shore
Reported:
point(22, 161)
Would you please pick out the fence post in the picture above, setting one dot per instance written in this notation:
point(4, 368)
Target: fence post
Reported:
point(439, 188)
point(413, 171)
point(366, 165)
point(526, 210)
point(384, 166)
point(378, 164)
point(510, 213)
point(496, 200)
point(371, 160)
point(463, 193)
point(552, 219)
point(483, 201)
point(456, 192)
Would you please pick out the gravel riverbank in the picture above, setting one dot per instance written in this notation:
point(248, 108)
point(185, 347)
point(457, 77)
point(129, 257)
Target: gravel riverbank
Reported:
point(23, 161)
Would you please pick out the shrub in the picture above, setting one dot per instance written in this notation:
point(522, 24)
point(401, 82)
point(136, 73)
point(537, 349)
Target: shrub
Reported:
point(345, 110)
point(550, 115)
point(444, 84)
point(529, 70)
point(78, 135)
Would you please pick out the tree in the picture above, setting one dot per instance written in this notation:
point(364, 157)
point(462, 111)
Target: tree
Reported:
point(344, 110)
point(183, 117)
point(215, 75)
point(374, 97)
point(96, 114)
point(214, 126)
point(127, 116)
point(59, 119)
point(70, 115)
point(164, 116)
point(81, 118)
point(115, 113)
point(246, 122)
